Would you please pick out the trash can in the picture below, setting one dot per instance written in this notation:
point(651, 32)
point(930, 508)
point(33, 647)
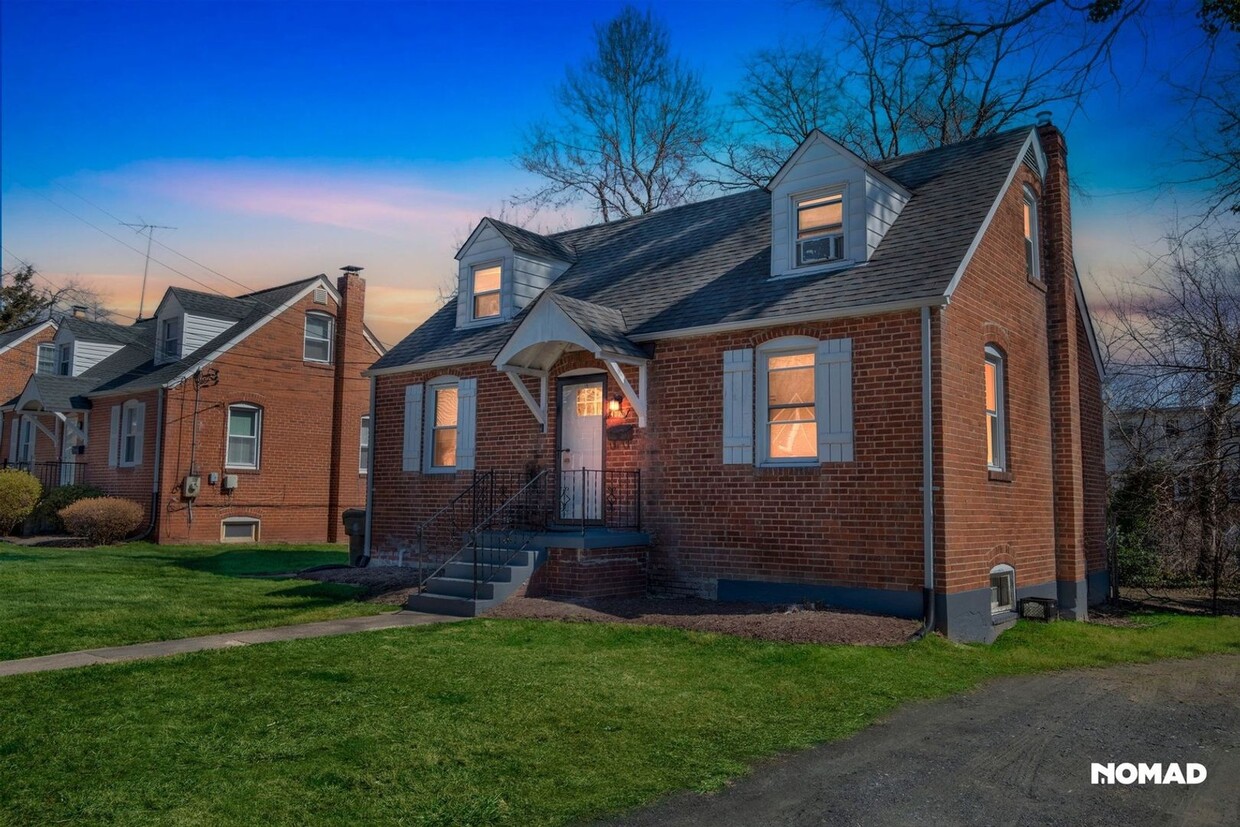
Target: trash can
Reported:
point(355, 527)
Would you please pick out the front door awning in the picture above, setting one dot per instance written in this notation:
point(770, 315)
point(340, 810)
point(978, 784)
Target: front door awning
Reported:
point(558, 324)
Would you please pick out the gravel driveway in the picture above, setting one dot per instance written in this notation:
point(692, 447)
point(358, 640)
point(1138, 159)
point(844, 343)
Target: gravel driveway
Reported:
point(1015, 752)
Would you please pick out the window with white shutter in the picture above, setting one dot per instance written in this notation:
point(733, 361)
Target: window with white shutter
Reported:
point(738, 407)
point(411, 453)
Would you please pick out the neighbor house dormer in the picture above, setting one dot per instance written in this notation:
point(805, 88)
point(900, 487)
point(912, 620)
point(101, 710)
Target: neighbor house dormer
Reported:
point(81, 344)
point(829, 208)
point(503, 269)
point(186, 320)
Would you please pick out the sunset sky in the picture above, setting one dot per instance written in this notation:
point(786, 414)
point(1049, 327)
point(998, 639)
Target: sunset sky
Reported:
point(284, 139)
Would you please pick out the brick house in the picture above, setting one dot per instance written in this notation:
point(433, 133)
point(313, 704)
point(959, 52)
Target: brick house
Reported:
point(872, 385)
point(23, 351)
point(229, 419)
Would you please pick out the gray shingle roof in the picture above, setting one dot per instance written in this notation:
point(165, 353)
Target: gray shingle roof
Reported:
point(99, 331)
point(709, 263)
point(210, 304)
point(534, 244)
point(8, 337)
point(605, 325)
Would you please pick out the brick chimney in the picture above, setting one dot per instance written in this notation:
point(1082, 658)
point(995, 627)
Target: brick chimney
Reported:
point(350, 399)
point(1065, 356)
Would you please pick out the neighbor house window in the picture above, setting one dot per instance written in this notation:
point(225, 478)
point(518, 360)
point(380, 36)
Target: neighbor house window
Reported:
point(318, 345)
point(486, 285)
point(64, 362)
point(25, 441)
point(820, 229)
point(170, 338)
point(1029, 208)
point(996, 441)
point(1002, 589)
point(363, 452)
point(443, 405)
point(239, 530)
point(47, 359)
point(245, 427)
point(131, 433)
point(791, 426)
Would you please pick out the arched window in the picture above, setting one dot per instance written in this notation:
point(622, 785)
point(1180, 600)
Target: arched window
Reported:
point(320, 328)
point(996, 415)
point(1033, 267)
point(1002, 589)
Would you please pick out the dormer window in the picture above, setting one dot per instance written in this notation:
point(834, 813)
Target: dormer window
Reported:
point(486, 286)
point(820, 229)
point(64, 359)
point(170, 338)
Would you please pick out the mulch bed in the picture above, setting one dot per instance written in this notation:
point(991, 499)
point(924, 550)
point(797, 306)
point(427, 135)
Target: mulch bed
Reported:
point(790, 624)
point(380, 584)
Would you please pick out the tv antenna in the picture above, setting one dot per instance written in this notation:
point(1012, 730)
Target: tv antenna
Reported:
point(149, 229)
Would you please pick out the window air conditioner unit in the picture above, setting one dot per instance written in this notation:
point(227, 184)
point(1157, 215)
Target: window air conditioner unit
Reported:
point(823, 248)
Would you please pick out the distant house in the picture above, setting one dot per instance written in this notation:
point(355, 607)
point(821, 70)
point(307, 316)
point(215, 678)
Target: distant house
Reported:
point(229, 419)
point(873, 385)
point(23, 351)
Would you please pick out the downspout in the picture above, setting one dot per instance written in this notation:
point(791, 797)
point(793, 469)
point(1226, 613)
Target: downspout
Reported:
point(370, 478)
point(159, 446)
point(927, 479)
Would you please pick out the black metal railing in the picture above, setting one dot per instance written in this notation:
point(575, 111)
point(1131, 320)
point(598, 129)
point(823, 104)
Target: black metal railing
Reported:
point(52, 474)
point(599, 498)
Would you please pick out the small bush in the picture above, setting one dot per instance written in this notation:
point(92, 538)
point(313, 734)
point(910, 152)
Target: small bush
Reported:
point(102, 520)
point(19, 494)
point(48, 510)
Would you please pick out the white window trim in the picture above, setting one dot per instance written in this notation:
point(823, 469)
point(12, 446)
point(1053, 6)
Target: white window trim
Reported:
point(250, 521)
point(331, 337)
point(258, 436)
point(428, 424)
point(994, 357)
point(363, 460)
point(1005, 570)
point(780, 347)
point(171, 323)
point(473, 269)
point(1031, 202)
point(132, 407)
point(38, 359)
point(64, 359)
point(794, 202)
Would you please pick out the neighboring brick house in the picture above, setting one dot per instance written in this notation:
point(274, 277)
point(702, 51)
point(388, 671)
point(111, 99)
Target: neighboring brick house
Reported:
point(875, 386)
point(23, 351)
point(256, 401)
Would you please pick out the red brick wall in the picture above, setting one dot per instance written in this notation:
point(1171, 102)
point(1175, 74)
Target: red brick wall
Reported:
point(590, 573)
point(1093, 455)
point(987, 519)
point(134, 483)
point(16, 365)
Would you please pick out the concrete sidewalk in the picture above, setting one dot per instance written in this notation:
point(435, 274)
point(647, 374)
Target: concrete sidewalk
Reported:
point(163, 648)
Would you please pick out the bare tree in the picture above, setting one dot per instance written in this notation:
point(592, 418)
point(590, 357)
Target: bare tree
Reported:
point(630, 127)
point(1176, 356)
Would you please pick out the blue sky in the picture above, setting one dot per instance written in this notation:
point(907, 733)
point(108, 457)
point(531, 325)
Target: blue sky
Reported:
point(288, 138)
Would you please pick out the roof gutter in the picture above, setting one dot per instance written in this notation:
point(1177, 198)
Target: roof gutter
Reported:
point(927, 479)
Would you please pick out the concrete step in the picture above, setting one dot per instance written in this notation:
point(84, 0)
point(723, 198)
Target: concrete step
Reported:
point(459, 587)
point(467, 571)
point(445, 604)
point(498, 556)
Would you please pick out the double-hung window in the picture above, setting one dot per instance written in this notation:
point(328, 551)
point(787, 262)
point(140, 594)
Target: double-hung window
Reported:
point(1029, 209)
point(443, 436)
point(318, 341)
point(64, 359)
point(363, 451)
point(170, 338)
point(486, 291)
point(791, 424)
point(131, 433)
point(996, 439)
point(820, 229)
point(47, 359)
point(245, 428)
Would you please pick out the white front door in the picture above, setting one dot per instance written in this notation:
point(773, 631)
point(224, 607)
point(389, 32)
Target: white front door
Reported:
point(581, 450)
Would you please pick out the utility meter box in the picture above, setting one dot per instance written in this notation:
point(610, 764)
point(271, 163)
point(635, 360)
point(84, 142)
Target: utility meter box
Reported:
point(191, 486)
point(229, 483)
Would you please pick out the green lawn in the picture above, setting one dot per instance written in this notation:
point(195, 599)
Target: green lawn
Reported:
point(59, 600)
point(480, 722)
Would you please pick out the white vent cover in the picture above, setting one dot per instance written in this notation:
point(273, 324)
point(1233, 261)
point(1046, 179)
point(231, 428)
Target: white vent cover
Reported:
point(320, 295)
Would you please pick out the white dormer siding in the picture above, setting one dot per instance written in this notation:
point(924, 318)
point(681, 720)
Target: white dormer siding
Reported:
point(85, 354)
point(822, 167)
point(194, 331)
point(522, 277)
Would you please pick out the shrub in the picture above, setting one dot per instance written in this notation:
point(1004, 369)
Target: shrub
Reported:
point(102, 520)
point(48, 510)
point(19, 494)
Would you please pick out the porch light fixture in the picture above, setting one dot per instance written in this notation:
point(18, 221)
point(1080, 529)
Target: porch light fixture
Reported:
point(613, 406)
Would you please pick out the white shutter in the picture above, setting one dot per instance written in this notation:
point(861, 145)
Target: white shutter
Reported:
point(738, 407)
point(14, 434)
point(140, 427)
point(833, 400)
point(411, 457)
point(114, 432)
point(466, 420)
